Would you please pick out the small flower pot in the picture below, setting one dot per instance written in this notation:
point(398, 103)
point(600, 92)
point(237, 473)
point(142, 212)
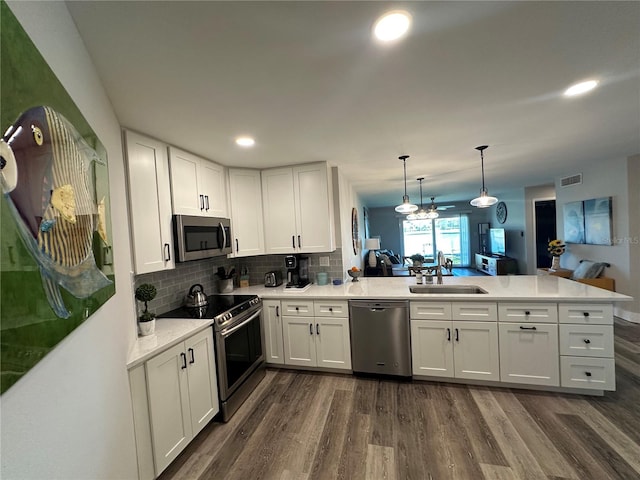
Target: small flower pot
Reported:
point(147, 328)
point(555, 264)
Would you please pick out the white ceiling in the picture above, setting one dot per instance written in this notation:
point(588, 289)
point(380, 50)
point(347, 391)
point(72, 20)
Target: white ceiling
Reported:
point(306, 79)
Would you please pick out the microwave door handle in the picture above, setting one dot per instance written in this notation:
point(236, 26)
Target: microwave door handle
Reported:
point(229, 331)
point(224, 236)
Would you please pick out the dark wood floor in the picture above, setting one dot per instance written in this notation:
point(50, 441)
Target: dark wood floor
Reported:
point(299, 425)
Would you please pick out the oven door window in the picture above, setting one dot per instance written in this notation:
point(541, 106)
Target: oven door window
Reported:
point(242, 349)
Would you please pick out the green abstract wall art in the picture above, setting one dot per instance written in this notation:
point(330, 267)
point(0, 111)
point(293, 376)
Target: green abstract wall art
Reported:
point(55, 240)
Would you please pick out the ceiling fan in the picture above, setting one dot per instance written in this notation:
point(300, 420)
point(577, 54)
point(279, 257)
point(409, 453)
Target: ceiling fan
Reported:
point(433, 207)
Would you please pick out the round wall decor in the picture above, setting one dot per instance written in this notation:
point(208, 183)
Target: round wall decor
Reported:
point(354, 229)
point(501, 212)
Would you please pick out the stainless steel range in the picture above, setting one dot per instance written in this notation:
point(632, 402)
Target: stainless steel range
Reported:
point(239, 340)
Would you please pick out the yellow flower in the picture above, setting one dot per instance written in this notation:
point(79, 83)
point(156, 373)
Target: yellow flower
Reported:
point(556, 248)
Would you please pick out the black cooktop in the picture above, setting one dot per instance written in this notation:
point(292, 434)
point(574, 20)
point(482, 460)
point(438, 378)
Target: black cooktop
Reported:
point(218, 305)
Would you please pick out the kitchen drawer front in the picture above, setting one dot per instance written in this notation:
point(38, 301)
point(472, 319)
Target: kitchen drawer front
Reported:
point(586, 340)
point(298, 308)
point(587, 372)
point(331, 308)
point(594, 314)
point(477, 311)
point(528, 312)
point(430, 310)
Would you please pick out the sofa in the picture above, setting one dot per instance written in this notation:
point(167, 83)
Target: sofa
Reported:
point(590, 273)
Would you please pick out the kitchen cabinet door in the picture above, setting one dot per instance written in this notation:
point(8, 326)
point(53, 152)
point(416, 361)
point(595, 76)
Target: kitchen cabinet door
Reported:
point(432, 348)
point(314, 208)
point(529, 353)
point(475, 350)
point(271, 312)
point(169, 411)
point(149, 203)
point(197, 185)
point(333, 346)
point(245, 195)
point(279, 211)
point(299, 341)
point(201, 374)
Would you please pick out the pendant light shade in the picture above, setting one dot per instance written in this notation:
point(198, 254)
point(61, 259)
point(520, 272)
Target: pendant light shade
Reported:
point(484, 200)
point(422, 213)
point(406, 206)
point(433, 210)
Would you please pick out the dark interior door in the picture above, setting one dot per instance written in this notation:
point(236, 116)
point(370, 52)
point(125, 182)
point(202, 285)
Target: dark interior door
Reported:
point(545, 230)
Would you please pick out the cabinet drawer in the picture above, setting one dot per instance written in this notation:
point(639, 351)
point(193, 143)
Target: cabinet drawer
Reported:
point(594, 314)
point(532, 312)
point(298, 308)
point(479, 311)
point(430, 310)
point(586, 372)
point(586, 340)
point(331, 308)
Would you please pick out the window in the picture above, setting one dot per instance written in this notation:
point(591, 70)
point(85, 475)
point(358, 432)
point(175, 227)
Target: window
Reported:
point(449, 234)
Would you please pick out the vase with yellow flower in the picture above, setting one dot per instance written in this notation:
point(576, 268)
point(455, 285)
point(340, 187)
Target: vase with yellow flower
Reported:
point(556, 249)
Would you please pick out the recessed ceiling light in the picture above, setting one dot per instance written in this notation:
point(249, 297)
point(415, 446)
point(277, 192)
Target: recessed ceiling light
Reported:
point(245, 141)
point(392, 25)
point(580, 88)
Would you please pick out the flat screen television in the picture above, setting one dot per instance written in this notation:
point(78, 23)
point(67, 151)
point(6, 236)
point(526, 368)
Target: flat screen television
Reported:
point(497, 242)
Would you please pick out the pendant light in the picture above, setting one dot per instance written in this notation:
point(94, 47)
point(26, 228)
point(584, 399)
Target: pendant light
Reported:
point(433, 211)
point(422, 213)
point(406, 206)
point(484, 200)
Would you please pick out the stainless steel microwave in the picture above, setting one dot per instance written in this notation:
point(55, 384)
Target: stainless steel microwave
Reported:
point(201, 237)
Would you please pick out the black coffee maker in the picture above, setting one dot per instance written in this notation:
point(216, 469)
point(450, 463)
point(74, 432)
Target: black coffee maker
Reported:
point(297, 271)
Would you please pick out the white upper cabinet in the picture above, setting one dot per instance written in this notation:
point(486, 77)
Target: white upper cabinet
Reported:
point(245, 196)
point(198, 186)
point(149, 203)
point(298, 209)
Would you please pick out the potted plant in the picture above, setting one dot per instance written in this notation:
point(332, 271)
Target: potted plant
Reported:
point(417, 259)
point(147, 321)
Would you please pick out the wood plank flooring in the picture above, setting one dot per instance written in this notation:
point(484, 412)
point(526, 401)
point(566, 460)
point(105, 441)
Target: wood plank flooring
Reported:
point(304, 426)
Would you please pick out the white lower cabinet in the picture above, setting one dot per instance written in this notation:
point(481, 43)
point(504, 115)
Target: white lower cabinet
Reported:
point(274, 343)
point(455, 347)
point(316, 335)
point(529, 353)
point(182, 395)
point(586, 346)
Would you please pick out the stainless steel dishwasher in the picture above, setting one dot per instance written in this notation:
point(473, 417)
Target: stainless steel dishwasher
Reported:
point(380, 337)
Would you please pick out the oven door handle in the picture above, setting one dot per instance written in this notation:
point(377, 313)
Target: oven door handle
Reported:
point(229, 331)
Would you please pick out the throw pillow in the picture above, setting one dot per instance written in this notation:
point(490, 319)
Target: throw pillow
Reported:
point(588, 269)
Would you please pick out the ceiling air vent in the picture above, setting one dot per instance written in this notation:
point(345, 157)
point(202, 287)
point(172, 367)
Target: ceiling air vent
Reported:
point(572, 180)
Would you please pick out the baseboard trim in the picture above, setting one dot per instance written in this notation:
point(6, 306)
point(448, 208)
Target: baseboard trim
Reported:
point(633, 317)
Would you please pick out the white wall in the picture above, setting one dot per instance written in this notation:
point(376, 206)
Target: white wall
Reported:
point(346, 199)
point(70, 416)
point(608, 178)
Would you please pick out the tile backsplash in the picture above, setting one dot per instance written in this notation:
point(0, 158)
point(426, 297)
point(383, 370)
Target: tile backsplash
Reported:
point(173, 285)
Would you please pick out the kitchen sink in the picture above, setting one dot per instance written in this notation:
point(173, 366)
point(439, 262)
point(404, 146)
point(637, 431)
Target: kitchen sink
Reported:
point(459, 289)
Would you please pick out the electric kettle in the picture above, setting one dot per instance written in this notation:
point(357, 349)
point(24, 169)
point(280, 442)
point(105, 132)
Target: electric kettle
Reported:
point(195, 297)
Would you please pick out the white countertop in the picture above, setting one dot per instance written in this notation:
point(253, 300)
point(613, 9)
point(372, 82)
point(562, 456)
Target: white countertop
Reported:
point(538, 288)
point(514, 288)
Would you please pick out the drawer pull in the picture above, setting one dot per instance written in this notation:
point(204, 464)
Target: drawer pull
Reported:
point(527, 312)
point(588, 374)
point(448, 334)
point(586, 314)
point(527, 328)
point(311, 329)
point(331, 309)
point(587, 341)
